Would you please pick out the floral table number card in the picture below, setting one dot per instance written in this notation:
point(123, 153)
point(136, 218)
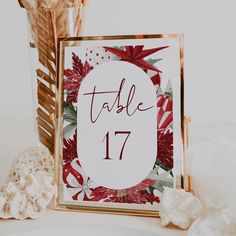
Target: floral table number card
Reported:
point(119, 137)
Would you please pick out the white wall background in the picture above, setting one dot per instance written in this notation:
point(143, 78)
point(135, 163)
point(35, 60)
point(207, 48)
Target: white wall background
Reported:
point(210, 49)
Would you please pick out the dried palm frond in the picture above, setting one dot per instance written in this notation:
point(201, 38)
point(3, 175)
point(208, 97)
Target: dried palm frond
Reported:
point(48, 20)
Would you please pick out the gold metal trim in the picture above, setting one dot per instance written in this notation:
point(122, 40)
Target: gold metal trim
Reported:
point(62, 42)
point(187, 184)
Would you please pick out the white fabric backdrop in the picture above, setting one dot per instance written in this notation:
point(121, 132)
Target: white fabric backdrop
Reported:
point(210, 49)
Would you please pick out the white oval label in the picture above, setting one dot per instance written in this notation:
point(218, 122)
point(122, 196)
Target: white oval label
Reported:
point(117, 125)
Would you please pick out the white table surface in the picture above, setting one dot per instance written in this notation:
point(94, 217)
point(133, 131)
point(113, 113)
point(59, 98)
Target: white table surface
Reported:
point(59, 218)
point(17, 135)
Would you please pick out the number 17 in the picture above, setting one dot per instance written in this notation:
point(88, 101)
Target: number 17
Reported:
point(107, 137)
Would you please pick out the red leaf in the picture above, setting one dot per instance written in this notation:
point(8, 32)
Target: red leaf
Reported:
point(136, 55)
point(148, 52)
point(150, 197)
point(72, 97)
point(118, 52)
point(100, 193)
point(136, 194)
point(156, 79)
point(165, 148)
point(75, 76)
point(143, 64)
point(70, 149)
point(143, 185)
point(137, 50)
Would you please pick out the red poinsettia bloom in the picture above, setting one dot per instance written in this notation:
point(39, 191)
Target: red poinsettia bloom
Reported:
point(165, 148)
point(75, 76)
point(137, 194)
point(136, 55)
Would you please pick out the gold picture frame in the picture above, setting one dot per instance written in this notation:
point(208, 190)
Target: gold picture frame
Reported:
point(180, 178)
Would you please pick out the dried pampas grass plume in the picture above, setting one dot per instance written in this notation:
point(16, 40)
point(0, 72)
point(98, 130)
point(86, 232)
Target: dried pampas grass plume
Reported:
point(48, 20)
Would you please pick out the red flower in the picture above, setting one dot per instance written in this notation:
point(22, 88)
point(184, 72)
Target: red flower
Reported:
point(137, 194)
point(75, 76)
point(165, 148)
point(136, 55)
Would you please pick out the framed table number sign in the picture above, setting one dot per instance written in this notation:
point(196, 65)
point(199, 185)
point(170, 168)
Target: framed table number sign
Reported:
point(119, 140)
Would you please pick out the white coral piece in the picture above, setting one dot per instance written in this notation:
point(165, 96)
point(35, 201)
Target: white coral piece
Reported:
point(29, 187)
point(30, 161)
point(179, 208)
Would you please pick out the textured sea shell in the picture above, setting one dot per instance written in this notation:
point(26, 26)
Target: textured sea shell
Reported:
point(32, 160)
point(179, 208)
point(29, 187)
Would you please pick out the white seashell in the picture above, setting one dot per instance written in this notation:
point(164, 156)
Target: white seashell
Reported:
point(179, 208)
point(29, 187)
